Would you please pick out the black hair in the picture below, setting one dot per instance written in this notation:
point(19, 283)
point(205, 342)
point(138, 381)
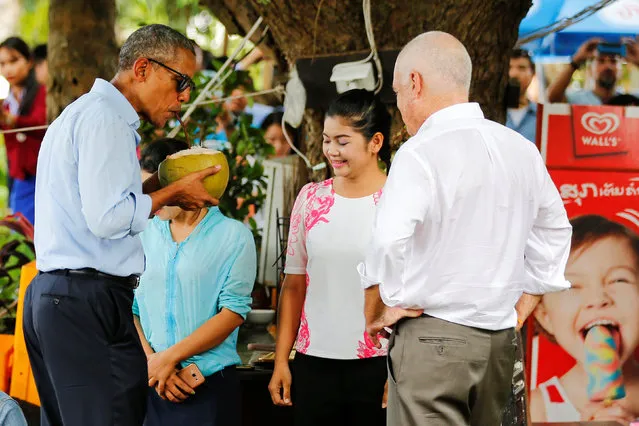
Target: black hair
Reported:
point(587, 230)
point(19, 45)
point(623, 100)
point(272, 118)
point(207, 60)
point(367, 115)
point(30, 84)
point(276, 118)
point(522, 53)
point(156, 151)
point(40, 53)
point(156, 41)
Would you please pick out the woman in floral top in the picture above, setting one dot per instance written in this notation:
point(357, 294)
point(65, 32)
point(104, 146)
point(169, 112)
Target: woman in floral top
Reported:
point(338, 374)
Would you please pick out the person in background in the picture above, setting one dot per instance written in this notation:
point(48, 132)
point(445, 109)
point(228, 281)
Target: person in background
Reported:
point(522, 119)
point(40, 64)
point(606, 71)
point(193, 296)
point(274, 135)
point(24, 107)
point(232, 109)
point(10, 412)
point(338, 375)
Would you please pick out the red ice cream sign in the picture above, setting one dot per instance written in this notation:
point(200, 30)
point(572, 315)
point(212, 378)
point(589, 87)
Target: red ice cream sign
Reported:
point(597, 131)
point(590, 137)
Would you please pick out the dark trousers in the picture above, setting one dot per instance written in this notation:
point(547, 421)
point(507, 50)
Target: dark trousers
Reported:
point(86, 356)
point(216, 403)
point(446, 374)
point(338, 392)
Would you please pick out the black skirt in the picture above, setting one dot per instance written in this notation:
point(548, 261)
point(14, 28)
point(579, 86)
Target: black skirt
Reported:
point(338, 392)
point(216, 403)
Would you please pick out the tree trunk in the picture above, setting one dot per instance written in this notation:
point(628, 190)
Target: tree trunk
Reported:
point(81, 47)
point(488, 29)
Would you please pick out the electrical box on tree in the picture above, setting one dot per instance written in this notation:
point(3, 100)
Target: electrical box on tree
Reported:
point(348, 76)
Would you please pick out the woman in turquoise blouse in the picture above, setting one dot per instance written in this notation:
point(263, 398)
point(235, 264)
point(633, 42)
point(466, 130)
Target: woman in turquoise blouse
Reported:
point(193, 296)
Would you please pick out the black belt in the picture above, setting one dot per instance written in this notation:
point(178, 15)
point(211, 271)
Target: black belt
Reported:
point(132, 280)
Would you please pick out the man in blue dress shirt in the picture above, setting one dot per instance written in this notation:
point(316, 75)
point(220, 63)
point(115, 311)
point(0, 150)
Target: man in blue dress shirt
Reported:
point(522, 119)
point(86, 356)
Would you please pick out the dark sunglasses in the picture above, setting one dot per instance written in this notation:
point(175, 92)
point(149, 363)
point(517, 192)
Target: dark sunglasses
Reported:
point(185, 81)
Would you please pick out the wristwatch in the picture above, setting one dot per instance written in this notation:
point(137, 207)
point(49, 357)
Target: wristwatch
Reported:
point(575, 65)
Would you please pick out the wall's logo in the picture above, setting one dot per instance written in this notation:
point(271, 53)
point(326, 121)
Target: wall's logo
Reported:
point(598, 130)
point(600, 124)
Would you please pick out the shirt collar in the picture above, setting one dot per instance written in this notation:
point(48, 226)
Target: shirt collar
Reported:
point(120, 103)
point(13, 103)
point(213, 216)
point(454, 112)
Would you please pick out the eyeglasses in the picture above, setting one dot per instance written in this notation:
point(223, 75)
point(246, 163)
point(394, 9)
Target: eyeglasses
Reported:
point(185, 81)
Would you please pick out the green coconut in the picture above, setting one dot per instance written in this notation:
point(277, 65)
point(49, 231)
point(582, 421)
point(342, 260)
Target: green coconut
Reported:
point(192, 160)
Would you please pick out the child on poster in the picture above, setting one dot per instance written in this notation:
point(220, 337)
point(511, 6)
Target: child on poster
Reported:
point(603, 268)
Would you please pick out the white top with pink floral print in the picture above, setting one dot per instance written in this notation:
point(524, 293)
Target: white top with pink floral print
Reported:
point(328, 237)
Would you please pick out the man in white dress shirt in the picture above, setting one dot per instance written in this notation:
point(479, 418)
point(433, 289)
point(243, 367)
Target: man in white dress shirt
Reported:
point(469, 221)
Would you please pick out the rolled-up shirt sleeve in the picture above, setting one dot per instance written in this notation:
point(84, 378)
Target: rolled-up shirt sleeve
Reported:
point(236, 292)
point(548, 245)
point(402, 206)
point(111, 204)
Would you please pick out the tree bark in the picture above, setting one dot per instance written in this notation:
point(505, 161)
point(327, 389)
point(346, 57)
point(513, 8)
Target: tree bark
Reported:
point(81, 47)
point(488, 29)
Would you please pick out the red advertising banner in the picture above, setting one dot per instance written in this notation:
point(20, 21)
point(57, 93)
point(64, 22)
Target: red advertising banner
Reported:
point(590, 137)
point(593, 160)
point(604, 210)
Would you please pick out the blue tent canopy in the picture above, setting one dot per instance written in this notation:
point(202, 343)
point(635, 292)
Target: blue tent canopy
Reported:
point(541, 14)
point(620, 19)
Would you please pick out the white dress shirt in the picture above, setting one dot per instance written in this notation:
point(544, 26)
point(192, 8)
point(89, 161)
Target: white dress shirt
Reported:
point(469, 219)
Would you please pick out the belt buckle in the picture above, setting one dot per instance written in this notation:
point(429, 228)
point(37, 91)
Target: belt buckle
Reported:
point(136, 281)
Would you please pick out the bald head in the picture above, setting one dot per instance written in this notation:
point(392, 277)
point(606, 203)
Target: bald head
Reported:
point(432, 71)
point(440, 58)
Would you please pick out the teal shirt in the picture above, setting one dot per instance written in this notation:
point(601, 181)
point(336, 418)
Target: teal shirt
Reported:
point(186, 284)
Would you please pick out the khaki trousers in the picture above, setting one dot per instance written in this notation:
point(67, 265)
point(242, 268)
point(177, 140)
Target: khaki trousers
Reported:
point(445, 374)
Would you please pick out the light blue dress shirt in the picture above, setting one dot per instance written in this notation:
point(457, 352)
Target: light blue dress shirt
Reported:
point(583, 97)
point(10, 412)
point(527, 127)
point(89, 201)
point(186, 284)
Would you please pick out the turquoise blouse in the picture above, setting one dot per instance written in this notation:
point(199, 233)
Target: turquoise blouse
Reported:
point(186, 284)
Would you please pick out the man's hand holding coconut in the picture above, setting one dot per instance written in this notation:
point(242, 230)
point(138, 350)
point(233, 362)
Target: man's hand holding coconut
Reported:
point(191, 179)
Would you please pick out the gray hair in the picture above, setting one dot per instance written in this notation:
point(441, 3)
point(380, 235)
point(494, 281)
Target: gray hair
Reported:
point(154, 41)
point(440, 58)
